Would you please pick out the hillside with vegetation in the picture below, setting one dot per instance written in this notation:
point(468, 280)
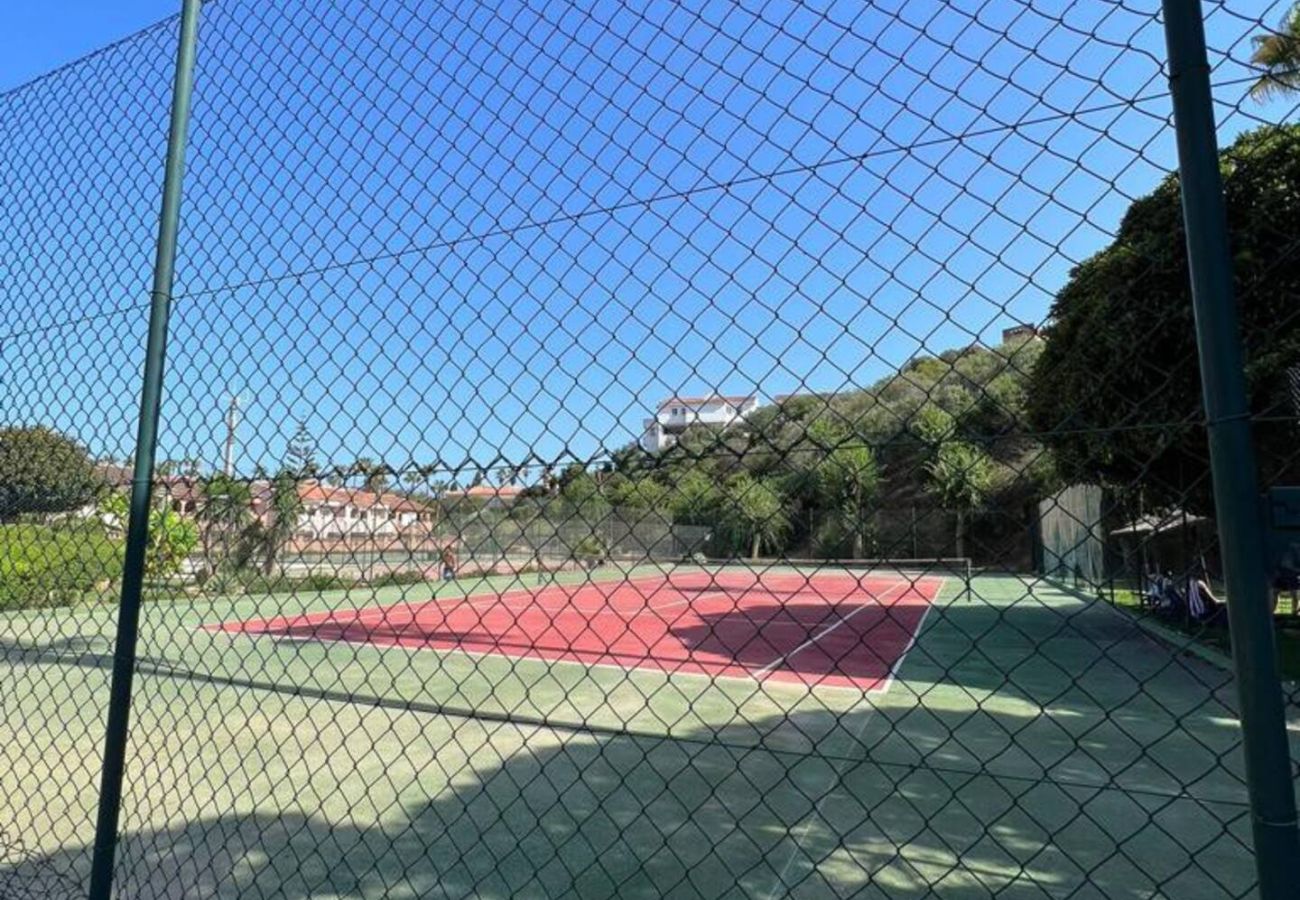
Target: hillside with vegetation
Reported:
point(933, 460)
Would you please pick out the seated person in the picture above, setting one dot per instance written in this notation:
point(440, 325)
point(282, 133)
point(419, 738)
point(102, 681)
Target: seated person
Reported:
point(1163, 595)
point(1202, 605)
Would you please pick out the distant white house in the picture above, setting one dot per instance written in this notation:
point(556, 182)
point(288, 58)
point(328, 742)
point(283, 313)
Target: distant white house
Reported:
point(340, 512)
point(676, 414)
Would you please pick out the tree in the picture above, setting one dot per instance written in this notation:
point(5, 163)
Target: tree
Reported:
point(43, 471)
point(284, 509)
point(172, 537)
point(413, 479)
point(848, 480)
point(374, 476)
point(1278, 54)
point(300, 458)
point(694, 499)
point(225, 508)
point(644, 493)
point(961, 478)
point(754, 512)
point(1116, 390)
point(182, 468)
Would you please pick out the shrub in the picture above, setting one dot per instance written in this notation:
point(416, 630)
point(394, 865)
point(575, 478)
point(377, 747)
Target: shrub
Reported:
point(43, 565)
point(172, 537)
point(589, 550)
point(43, 471)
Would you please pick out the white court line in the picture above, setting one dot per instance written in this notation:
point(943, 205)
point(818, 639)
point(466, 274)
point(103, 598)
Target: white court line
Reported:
point(869, 604)
point(779, 886)
point(916, 634)
point(749, 677)
point(366, 613)
point(654, 586)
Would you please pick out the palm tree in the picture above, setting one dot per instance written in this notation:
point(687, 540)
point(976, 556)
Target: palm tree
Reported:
point(285, 510)
point(225, 507)
point(756, 513)
point(961, 478)
point(848, 480)
point(414, 478)
point(1278, 54)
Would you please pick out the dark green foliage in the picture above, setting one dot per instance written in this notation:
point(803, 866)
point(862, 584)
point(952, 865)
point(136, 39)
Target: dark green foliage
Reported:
point(862, 472)
point(284, 509)
point(300, 457)
point(1117, 390)
point(43, 471)
point(224, 514)
point(1277, 53)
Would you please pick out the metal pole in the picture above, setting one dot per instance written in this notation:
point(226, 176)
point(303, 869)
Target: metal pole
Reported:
point(1232, 459)
point(137, 534)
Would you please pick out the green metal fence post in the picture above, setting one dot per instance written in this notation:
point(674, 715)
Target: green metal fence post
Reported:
point(1232, 460)
point(119, 707)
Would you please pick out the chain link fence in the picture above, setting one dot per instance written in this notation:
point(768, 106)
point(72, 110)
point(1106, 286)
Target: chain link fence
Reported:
point(702, 449)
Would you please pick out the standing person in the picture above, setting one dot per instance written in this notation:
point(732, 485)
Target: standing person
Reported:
point(448, 563)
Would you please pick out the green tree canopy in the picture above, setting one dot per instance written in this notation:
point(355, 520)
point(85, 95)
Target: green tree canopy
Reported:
point(755, 514)
point(1116, 391)
point(225, 508)
point(43, 471)
point(961, 477)
point(284, 511)
point(848, 480)
point(300, 456)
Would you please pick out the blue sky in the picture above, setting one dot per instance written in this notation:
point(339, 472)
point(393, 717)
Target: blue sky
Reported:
point(466, 231)
point(34, 38)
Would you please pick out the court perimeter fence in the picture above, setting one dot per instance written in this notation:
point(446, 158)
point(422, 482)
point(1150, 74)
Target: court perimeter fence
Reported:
point(437, 434)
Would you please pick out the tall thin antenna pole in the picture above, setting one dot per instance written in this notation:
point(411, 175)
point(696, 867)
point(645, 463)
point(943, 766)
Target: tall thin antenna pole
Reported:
point(232, 422)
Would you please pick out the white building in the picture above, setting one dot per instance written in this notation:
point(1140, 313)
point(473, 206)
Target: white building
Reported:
point(340, 512)
point(676, 414)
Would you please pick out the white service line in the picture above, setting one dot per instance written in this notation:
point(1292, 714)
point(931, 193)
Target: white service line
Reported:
point(916, 634)
point(873, 602)
point(779, 886)
point(382, 613)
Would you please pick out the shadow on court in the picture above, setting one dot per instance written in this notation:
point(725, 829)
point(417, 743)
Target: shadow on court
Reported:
point(624, 816)
point(1013, 760)
point(841, 643)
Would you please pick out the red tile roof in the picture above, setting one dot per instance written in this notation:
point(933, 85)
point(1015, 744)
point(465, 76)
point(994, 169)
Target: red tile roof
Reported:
point(313, 492)
point(488, 492)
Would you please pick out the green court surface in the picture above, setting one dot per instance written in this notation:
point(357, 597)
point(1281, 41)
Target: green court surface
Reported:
point(1033, 744)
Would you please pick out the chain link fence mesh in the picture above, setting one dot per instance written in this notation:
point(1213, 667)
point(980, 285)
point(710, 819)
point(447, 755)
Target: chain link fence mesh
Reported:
point(708, 449)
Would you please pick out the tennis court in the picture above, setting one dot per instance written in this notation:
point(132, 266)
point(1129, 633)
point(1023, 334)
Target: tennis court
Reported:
point(1032, 742)
point(832, 629)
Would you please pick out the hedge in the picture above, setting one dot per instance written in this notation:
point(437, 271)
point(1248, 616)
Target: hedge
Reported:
point(43, 565)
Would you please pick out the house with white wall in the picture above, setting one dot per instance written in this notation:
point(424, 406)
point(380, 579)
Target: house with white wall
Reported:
point(676, 414)
point(341, 512)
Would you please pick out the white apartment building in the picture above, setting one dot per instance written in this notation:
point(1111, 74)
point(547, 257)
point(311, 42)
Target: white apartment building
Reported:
point(339, 512)
point(676, 414)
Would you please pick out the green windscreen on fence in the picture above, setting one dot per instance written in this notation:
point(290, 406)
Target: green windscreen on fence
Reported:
point(1073, 536)
point(716, 448)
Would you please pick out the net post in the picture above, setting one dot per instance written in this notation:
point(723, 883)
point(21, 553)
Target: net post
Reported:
point(1232, 459)
point(137, 536)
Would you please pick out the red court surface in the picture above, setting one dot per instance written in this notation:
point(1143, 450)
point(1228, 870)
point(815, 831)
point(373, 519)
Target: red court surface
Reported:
point(836, 629)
